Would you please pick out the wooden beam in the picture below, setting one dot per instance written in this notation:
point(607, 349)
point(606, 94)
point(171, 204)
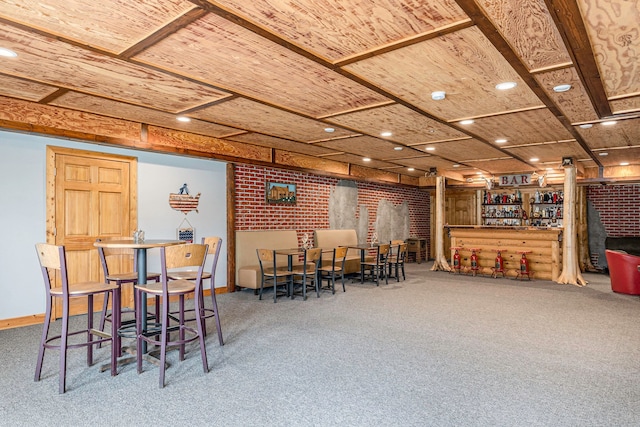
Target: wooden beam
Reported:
point(567, 17)
point(231, 228)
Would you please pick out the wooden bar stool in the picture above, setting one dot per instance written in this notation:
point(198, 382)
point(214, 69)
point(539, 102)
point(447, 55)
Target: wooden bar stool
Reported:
point(524, 266)
point(474, 261)
point(53, 263)
point(455, 260)
point(499, 264)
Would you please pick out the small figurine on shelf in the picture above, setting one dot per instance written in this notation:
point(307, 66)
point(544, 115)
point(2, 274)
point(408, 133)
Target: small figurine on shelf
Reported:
point(537, 196)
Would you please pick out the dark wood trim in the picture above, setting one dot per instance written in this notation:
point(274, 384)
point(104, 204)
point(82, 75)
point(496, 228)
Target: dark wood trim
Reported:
point(53, 96)
point(406, 42)
point(161, 33)
point(231, 227)
point(568, 18)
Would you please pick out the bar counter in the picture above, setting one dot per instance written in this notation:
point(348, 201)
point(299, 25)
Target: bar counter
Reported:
point(545, 257)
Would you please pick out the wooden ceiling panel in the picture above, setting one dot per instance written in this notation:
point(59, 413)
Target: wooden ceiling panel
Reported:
point(282, 144)
point(367, 146)
point(612, 26)
point(498, 166)
point(24, 89)
point(463, 150)
point(406, 171)
point(574, 103)
point(552, 152)
point(625, 105)
point(254, 116)
point(50, 61)
point(426, 162)
point(357, 160)
point(407, 126)
point(107, 107)
point(629, 155)
point(320, 26)
point(464, 64)
point(530, 31)
point(112, 25)
point(524, 127)
point(624, 133)
point(239, 60)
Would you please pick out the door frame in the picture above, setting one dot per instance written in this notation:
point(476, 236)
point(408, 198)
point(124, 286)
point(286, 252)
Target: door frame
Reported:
point(52, 153)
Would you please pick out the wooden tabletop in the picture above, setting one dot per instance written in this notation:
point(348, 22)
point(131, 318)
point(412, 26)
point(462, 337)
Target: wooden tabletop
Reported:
point(147, 243)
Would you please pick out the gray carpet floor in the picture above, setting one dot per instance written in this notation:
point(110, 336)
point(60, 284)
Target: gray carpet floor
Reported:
point(434, 350)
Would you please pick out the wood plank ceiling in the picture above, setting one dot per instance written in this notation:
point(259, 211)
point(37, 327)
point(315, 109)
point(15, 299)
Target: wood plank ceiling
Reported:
point(276, 76)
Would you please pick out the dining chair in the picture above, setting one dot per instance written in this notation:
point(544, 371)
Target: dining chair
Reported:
point(269, 272)
point(214, 244)
point(329, 272)
point(396, 260)
point(53, 263)
point(307, 274)
point(114, 261)
point(378, 266)
point(176, 256)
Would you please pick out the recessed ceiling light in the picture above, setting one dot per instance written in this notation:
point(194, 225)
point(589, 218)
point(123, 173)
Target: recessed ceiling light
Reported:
point(438, 95)
point(456, 165)
point(478, 173)
point(603, 153)
point(183, 119)
point(410, 169)
point(506, 85)
point(430, 148)
point(366, 159)
point(534, 159)
point(466, 122)
point(329, 130)
point(609, 123)
point(561, 88)
point(624, 164)
point(8, 53)
point(501, 141)
point(397, 148)
point(387, 133)
point(586, 126)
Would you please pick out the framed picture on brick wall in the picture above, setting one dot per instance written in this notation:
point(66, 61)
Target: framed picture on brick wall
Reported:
point(279, 192)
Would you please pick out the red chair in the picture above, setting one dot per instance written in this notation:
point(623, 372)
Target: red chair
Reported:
point(623, 272)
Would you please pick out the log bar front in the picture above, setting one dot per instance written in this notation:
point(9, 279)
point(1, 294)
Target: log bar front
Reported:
point(545, 257)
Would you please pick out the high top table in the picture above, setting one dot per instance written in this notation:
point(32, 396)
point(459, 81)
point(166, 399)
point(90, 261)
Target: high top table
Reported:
point(141, 251)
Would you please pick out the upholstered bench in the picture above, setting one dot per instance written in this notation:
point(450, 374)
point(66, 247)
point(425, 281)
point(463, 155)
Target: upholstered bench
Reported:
point(332, 238)
point(247, 265)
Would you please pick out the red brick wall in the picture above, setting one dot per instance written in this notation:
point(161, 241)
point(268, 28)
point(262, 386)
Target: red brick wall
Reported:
point(618, 206)
point(312, 208)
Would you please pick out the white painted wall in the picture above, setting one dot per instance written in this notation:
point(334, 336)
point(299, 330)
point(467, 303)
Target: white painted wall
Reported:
point(22, 210)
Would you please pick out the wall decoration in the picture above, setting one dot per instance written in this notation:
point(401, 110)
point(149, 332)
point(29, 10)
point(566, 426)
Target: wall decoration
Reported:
point(186, 233)
point(278, 192)
point(183, 202)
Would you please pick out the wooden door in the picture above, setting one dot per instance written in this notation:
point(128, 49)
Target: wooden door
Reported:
point(460, 209)
point(89, 195)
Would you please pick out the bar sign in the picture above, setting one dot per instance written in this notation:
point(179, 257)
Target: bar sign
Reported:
point(515, 180)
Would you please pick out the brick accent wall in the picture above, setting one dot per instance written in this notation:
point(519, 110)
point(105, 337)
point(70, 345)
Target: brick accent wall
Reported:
point(312, 208)
point(618, 206)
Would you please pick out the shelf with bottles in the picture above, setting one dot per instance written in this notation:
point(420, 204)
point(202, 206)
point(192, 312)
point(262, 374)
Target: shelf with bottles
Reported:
point(502, 208)
point(546, 209)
